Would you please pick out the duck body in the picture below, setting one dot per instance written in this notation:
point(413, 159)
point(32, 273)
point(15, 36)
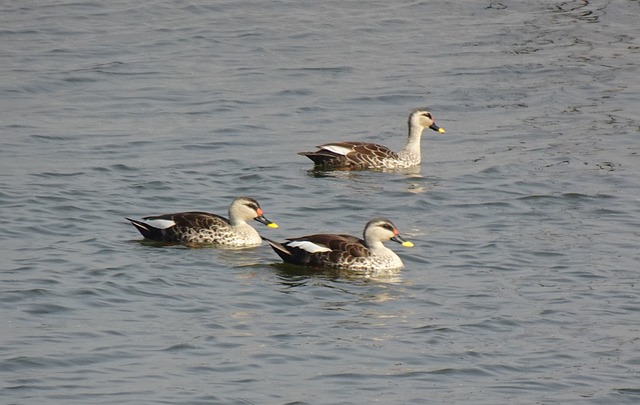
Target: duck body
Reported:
point(357, 155)
point(346, 252)
point(207, 228)
point(365, 155)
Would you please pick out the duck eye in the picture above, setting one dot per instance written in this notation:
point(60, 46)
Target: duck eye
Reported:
point(428, 115)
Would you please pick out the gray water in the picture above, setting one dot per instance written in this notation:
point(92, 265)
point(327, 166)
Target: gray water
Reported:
point(522, 286)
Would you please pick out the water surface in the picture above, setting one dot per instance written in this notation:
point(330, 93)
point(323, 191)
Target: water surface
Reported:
point(522, 286)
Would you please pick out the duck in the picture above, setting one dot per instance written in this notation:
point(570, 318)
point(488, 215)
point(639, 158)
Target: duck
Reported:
point(195, 227)
point(365, 155)
point(345, 252)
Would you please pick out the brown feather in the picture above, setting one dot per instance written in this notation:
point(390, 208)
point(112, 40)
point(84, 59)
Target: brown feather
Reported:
point(362, 155)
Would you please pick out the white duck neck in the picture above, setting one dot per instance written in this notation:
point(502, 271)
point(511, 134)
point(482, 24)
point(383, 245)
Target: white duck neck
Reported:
point(413, 142)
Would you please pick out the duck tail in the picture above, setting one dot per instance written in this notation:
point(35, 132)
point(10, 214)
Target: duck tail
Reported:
point(280, 249)
point(320, 158)
point(146, 230)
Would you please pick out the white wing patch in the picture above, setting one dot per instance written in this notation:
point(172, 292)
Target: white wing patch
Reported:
point(160, 223)
point(308, 246)
point(340, 150)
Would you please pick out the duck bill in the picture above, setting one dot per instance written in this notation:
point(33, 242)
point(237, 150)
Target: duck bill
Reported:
point(402, 241)
point(262, 219)
point(437, 128)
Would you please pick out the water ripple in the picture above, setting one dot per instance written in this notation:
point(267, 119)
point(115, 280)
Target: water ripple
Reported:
point(524, 215)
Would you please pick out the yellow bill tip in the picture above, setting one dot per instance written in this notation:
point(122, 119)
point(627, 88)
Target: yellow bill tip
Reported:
point(407, 244)
point(441, 130)
point(272, 225)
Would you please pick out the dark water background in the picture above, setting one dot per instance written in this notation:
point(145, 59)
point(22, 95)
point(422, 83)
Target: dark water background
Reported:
point(523, 284)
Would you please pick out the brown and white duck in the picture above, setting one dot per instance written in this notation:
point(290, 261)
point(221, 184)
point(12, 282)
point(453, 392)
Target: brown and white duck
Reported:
point(346, 252)
point(365, 155)
point(207, 228)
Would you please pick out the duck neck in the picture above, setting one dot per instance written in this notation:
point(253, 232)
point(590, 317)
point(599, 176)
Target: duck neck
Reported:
point(235, 221)
point(413, 143)
point(375, 245)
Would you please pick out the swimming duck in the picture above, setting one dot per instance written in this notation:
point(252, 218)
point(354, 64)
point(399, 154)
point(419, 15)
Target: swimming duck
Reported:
point(365, 155)
point(203, 227)
point(346, 252)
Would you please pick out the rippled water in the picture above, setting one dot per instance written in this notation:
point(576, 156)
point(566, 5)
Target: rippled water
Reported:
point(522, 286)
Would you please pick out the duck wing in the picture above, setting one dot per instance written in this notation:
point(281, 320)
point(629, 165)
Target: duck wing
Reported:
point(171, 227)
point(192, 219)
point(321, 250)
point(350, 154)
